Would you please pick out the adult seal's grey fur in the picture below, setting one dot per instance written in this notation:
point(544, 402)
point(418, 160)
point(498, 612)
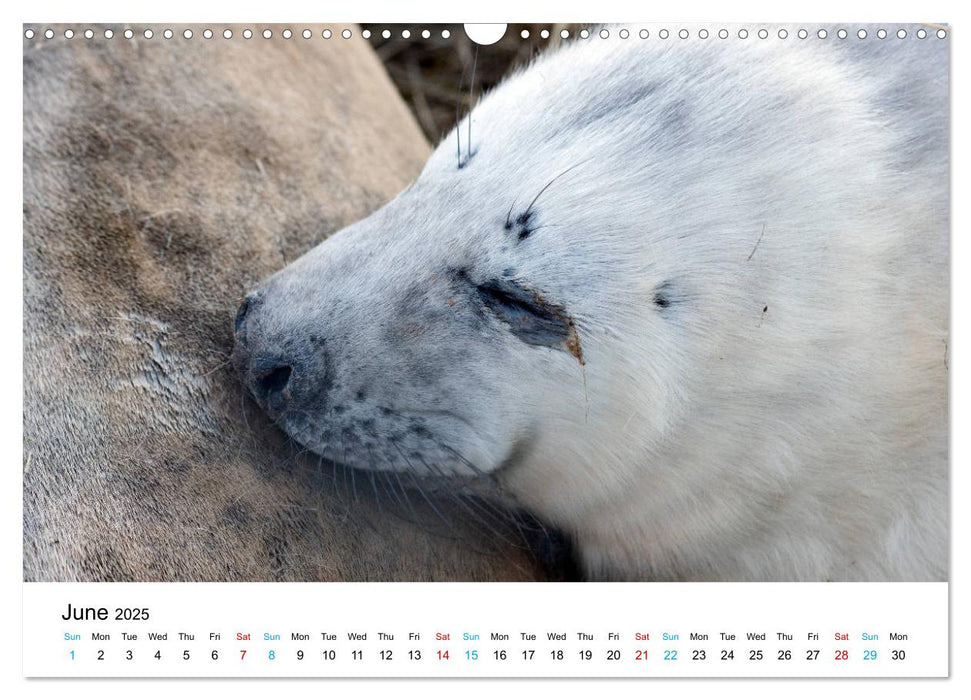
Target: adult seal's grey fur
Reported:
point(686, 301)
point(161, 180)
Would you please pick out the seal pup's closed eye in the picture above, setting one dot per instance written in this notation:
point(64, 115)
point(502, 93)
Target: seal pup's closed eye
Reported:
point(528, 315)
point(597, 340)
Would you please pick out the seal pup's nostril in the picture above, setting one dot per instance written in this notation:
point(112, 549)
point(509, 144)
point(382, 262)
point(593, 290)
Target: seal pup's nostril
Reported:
point(271, 386)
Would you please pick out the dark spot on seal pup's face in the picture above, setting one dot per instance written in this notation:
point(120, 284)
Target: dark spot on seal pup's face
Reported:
point(667, 296)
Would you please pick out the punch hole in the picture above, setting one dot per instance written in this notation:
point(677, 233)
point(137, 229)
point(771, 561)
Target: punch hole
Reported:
point(841, 33)
point(405, 34)
point(921, 34)
point(109, 33)
point(545, 34)
point(187, 34)
point(386, 34)
point(148, 33)
point(446, 34)
point(822, 34)
point(941, 34)
point(327, 34)
point(347, 34)
point(643, 34)
point(861, 34)
point(425, 34)
point(306, 34)
point(227, 34)
point(881, 34)
point(763, 34)
point(802, 34)
point(366, 33)
point(703, 34)
point(29, 33)
point(88, 34)
point(584, 33)
point(49, 33)
point(624, 33)
point(743, 33)
point(524, 34)
point(783, 34)
point(207, 33)
point(485, 34)
point(723, 34)
point(68, 33)
point(565, 34)
point(168, 34)
point(247, 33)
point(604, 33)
point(683, 34)
point(901, 33)
point(664, 34)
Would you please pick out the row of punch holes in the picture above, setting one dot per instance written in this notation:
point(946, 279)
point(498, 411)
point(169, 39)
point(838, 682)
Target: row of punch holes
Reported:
point(228, 34)
point(525, 33)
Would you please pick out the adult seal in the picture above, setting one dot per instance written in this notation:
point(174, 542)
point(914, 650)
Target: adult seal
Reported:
point(686, 301)
point(160, 182)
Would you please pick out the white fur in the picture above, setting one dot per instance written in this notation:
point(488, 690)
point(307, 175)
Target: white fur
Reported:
point(785, 416)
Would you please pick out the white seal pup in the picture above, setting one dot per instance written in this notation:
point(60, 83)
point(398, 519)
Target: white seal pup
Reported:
point(687, 301)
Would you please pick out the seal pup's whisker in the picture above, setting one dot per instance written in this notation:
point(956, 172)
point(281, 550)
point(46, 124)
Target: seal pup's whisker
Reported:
point(374, 484)
point(456, 497)
point(360, 513)
point(320, 491)
point(352, 470)
point(475, 470)
point(242, 410)
point(215, 369)
point(496, 505)
point(405, 500)
point(344, 468)
point(458, 137)
point(508, 511)
point(468, 146)
point(473, 506)
point(390, 475)
point(508, 224)
point(458, 123)
point(545, 187)
point(421, 490)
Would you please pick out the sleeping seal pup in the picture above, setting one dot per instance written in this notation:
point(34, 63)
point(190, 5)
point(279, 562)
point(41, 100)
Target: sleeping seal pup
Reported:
point(685, 300)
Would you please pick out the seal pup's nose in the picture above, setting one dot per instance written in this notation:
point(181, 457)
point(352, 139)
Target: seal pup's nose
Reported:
point(265, 372)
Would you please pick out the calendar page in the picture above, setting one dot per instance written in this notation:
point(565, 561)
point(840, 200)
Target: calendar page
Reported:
point(536, 350)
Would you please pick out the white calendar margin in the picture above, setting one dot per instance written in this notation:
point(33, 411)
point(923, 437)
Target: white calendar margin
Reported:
point(495, 10)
